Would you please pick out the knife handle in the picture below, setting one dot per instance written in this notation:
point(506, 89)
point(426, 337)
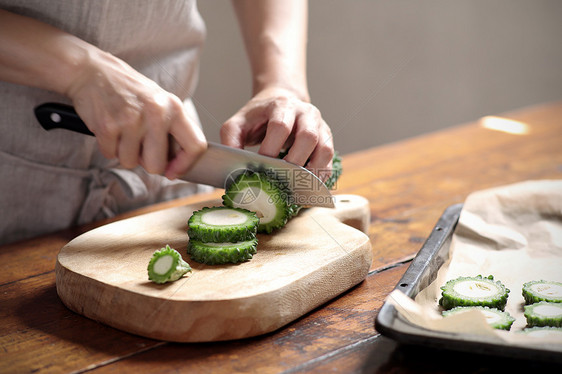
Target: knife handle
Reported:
point(60, 116)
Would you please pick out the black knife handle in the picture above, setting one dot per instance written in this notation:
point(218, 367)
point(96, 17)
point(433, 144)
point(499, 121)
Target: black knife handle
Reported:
point(60, 116)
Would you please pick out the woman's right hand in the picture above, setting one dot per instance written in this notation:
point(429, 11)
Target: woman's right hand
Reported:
point(133, 118)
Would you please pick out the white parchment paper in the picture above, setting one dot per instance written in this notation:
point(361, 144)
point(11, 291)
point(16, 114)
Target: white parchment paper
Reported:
point(512, 232)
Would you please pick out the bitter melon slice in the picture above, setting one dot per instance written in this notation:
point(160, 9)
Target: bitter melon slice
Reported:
point(222, 253)
point(542, 331)
point(222, 224)
point(259, 193)
point(535, 291)
point(495, 317)
point(544, 314)
point(330, 182)
point(166, 265)
point(336, 171)
point(474, 291)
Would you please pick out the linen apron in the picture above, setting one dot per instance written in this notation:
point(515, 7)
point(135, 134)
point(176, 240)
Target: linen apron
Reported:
point(51, 180)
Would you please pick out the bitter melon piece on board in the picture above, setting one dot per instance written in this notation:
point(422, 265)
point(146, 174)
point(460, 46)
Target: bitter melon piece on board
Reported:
point(222, 253)
point(166, 265)
point(263, 195)
point(222, 224)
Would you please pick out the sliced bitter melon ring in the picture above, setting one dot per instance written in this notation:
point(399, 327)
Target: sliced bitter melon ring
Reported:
point(222, 253)
point(166, 265)
point(541, 290)
point(336, 171)
point(542, 331)
point(222, 224)
point(474, 291)
point(544, 314)
point(495, 317)
point(259, 193)
point(330, 181)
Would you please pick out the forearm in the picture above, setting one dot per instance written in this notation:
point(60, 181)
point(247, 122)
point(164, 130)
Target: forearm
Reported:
point(36, 54)
point(275, 35)
point(279, 115)
point(131, 116)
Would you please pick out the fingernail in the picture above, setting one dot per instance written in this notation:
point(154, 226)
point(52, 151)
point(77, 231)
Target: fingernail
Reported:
point(171, 176)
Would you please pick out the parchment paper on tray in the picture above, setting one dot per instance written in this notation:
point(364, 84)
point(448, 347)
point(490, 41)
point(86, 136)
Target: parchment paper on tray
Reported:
point(513, 233)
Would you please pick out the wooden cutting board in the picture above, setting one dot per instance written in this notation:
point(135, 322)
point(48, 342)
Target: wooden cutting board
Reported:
point(319, 254)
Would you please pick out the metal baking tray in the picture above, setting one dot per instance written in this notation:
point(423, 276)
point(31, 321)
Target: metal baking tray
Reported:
point(423, 271)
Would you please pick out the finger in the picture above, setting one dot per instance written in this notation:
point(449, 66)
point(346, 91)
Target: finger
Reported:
point(191, 141)
point(320, 161)
point(305, 137)
point(245, 128)
point(255, 133)
point(154, 157)
point(132, 133)
point(232, 132)
point(128, 150)
point(184, 159)
point(103, 127)
point(154, 151)
point(107, 142)
point(279, 128)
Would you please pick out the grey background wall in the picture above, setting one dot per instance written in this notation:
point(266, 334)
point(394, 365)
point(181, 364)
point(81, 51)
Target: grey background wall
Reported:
point(384, 70)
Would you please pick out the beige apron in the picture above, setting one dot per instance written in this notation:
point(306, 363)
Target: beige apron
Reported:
point(56, 179)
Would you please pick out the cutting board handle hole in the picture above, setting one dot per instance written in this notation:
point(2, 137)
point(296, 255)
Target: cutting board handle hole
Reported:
point(404, 285)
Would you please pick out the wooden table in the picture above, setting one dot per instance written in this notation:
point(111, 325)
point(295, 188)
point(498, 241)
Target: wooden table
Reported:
point(408, 184)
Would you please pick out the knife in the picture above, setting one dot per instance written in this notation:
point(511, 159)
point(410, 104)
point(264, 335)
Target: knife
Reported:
point(219, 165)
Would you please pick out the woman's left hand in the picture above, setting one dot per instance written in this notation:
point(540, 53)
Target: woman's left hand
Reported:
point(278, 119)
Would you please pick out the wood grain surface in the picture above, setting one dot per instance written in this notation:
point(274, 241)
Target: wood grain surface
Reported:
point(408, 185)
point(316, 256)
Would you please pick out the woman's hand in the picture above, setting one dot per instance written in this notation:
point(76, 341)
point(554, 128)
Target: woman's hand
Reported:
point(279, 116)
point(279, 120)
point(133, 118)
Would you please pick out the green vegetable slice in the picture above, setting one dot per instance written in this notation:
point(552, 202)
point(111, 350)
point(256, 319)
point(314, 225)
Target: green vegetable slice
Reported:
point(495, 317)
point(222, 224)
point(542, 331)
point(166, 265)
point(222, 253)
point(541, 290)
point(474, 291)
point(544, 314)
point(259, 193)
point(336, 171)
point(330, 181)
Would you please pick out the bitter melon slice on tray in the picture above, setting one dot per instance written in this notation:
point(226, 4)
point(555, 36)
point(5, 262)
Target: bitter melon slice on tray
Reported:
point(544, 314)
point(495, 317)
point(542, 332)
point(222, 253)
point(257, 192)
point(541, 290)
point(222, 224)
point(474, 291)
point(166, 265)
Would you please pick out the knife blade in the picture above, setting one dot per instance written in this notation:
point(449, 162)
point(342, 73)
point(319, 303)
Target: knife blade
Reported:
point(219, 165)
